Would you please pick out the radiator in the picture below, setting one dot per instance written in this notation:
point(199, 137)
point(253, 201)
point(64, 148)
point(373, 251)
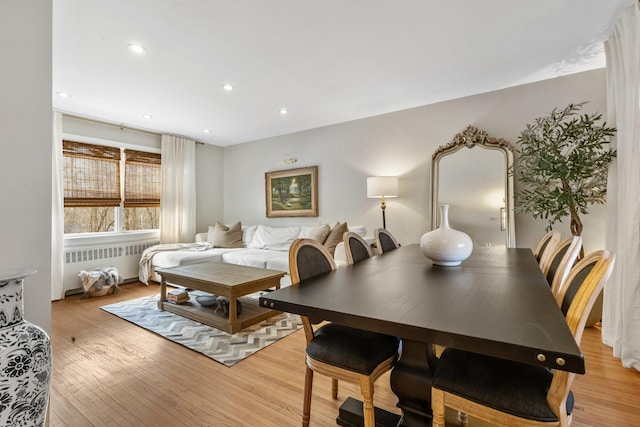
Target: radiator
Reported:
point(124, 257)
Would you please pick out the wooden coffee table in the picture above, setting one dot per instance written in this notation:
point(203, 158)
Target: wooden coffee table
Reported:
point(228, 280)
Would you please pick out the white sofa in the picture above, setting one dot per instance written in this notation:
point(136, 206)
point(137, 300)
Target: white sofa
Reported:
point(262, 247)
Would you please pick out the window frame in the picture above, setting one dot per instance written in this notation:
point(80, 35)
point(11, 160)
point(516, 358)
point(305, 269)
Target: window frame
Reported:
point(118, 234)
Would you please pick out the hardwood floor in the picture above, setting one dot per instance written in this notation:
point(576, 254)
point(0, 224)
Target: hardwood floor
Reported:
point(109, 372)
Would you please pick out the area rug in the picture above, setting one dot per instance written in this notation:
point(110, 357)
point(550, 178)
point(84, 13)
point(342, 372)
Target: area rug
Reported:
point(218, 345)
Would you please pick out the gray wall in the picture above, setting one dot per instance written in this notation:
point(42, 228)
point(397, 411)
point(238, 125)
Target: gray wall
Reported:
point(209, 186)
point(401, 144)
point(26, 137)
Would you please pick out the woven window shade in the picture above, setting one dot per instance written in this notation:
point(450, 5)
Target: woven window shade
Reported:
point(91, 175)
point(142, 179)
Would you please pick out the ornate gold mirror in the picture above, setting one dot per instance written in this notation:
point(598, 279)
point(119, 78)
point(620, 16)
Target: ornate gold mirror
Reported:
point(477, 186)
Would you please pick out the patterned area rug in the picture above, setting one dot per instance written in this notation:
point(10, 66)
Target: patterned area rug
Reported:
point(218, 345)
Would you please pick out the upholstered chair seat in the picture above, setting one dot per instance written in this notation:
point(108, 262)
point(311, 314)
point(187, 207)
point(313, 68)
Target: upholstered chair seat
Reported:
point(352, 349)
point(514, 388)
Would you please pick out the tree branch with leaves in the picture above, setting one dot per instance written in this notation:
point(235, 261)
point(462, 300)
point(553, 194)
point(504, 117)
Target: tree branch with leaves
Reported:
point(562, 163)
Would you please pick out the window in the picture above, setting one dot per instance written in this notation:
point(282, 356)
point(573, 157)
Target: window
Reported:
point(98, 197)
point(142, 188)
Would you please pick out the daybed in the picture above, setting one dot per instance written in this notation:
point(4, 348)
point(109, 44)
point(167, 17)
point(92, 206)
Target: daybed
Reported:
point(259, 246)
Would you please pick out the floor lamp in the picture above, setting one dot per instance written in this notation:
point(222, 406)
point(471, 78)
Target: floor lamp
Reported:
point(381, 187)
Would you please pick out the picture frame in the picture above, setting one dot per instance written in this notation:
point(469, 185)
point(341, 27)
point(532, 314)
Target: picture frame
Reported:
point(292, 192)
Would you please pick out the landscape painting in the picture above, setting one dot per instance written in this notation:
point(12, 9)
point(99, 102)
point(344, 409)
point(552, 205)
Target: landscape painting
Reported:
point(292, 192)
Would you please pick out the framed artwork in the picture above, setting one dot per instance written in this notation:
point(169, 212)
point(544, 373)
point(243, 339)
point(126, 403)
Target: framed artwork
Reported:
point(292, 192)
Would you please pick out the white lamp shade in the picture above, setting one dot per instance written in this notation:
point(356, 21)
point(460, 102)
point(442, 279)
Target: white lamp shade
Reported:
point(379, 186)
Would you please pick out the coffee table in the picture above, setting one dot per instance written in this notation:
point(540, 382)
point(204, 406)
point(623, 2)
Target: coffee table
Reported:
point(228, 280)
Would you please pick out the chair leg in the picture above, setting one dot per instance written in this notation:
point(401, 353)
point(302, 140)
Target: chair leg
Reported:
point(334, 388)
point(367, 388)
point(463, 418)
point(308, 386)
point(437, 407)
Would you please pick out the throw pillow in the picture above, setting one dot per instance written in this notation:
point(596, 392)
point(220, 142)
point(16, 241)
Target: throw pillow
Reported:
point(221, 236)
point(359, 229)
point(319, 233)
point(335, 236)
point(247, 234)
point(274, 238)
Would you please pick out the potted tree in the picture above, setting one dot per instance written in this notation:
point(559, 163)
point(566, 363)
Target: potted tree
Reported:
point(562, 164)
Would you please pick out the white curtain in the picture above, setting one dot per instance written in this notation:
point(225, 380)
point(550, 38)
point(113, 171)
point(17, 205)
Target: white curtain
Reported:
point(57, 212)
point(178, 200)
point(621, 310)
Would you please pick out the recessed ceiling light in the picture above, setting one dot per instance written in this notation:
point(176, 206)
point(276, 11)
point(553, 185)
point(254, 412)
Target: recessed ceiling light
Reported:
point(228, 87)
point(207, 131)
point(136, 48)
point(147, 116)
point(284, 111)
point(63, 94)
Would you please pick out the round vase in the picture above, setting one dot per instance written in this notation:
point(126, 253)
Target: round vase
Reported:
point(444, 245)
point(25, 358)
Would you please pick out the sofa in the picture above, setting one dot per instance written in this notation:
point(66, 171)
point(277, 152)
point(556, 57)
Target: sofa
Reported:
point(260, 246)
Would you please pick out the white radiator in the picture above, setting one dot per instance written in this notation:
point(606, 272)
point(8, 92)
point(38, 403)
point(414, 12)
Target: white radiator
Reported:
point(124, 256)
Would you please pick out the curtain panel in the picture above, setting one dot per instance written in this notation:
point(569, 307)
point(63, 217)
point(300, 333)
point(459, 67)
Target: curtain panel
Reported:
point(178, 201)
point(57, 212)
point(621, 306)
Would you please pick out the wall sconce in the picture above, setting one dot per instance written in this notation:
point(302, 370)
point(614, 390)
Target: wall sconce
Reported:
point(381, 187)
point(503, 219)
point(288, 160)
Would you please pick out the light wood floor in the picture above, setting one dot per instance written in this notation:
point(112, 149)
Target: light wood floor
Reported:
point(109, 372)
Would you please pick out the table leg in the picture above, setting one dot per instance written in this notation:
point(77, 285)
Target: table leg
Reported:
point(163, 293)
point(411, 382)
point(233, 312)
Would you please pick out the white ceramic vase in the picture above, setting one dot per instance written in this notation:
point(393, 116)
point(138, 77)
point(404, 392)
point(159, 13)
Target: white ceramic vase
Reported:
point(444, 245)
point(25, 358)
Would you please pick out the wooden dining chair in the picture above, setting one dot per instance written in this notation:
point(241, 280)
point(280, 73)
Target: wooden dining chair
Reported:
point(508, 393)
point(545, 248)
point(356, 247)
point(337, 351)
point(562, 260)
point(385, 241)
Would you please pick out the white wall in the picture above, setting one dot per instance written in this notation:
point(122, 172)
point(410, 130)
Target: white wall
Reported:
point(26, 135)
point(401, 144)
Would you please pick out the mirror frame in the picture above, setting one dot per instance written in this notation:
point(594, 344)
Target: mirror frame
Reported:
point(472, 137)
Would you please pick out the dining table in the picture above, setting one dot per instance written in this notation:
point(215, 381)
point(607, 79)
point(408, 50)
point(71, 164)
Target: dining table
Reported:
point(496, 302)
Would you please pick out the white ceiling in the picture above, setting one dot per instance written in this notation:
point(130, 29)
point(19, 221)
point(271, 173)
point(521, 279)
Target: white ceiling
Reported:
point(326, 61)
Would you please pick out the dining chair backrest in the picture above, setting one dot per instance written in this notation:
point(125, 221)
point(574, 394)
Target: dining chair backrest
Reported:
point(568, 248)
point(385, 241)
point(545, 248)
point(309, 258)
point(356, 247)
point(582, 287)
point(576, 299)
point(562, 260)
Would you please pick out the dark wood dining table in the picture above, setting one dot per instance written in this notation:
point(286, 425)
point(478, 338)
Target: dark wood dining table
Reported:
point(497, 302)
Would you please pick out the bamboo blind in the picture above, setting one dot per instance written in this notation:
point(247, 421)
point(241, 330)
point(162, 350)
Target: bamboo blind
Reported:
point(142, 182)
point(91, 176)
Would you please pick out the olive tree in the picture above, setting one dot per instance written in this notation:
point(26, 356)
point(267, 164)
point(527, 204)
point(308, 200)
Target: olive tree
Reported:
point(561, 164)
